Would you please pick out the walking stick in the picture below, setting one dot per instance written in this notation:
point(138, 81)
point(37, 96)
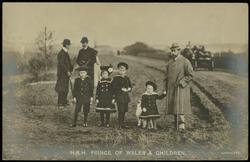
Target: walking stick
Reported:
point(177, 124)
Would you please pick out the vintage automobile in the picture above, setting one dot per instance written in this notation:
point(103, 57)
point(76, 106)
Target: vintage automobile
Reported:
point(199, 57)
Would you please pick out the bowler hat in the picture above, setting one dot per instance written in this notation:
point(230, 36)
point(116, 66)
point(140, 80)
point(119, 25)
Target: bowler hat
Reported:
point(66, 42)
point(175, 45)
point(84, 40)
point(82, 68)
point(152, 84)
point(122, 64)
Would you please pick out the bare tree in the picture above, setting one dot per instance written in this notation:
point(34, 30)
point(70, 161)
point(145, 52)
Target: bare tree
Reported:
point(45, 44)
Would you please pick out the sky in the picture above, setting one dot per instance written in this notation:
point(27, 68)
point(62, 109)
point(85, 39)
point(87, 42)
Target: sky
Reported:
point(120, 24)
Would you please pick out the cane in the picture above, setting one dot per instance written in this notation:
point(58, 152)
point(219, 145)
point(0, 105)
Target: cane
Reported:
point(177, 124)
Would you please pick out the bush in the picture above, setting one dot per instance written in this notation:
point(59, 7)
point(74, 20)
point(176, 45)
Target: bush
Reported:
point(36, 66)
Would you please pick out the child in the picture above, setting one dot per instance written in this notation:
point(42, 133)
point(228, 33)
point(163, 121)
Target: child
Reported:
point(83, 94)
point(104, 96)
point(121, 86)
point(149, 108)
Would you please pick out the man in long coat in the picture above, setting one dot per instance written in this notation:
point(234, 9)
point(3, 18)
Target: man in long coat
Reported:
point(64, 70)
point(179, 73)
point(87, 56)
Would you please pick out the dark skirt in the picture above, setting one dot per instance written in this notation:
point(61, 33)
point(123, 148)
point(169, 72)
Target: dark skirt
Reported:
point(151, 113)
point(105, 107)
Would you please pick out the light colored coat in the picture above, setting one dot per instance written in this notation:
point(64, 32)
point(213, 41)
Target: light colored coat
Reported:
point(179, 73)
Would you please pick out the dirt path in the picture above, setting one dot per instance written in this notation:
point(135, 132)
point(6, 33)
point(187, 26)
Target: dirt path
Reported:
point(45, 130)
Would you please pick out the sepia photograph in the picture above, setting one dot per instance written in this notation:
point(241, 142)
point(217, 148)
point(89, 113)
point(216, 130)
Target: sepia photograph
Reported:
point(124, 81)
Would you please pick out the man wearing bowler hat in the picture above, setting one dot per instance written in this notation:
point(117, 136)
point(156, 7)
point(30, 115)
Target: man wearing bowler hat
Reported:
point(64, 70)
point(179, 73)
point(87, 56)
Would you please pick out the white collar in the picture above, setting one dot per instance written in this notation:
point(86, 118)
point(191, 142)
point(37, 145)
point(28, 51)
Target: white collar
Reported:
point(177, 57)
point(146, 93)
point(85, 48)
point(65, 49)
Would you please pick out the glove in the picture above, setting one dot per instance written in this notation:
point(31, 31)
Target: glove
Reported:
point(144, 109)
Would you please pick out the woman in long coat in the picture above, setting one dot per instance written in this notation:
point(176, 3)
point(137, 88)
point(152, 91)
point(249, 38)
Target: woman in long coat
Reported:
point(179, 73)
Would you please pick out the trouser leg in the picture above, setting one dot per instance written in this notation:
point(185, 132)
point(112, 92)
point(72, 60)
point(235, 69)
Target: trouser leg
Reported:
point(77, 108)
point(86, 112)
point(102, 118)
point(60, 98)
point(107, 117)
point(180, 118)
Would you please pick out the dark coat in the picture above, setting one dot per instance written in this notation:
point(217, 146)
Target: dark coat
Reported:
point(117, 84)
point(88, 58)
point(63, 67)
point(83, 90)
point(148, 101)
point(105, 96)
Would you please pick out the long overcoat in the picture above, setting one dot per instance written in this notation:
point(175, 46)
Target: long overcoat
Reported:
point(63, 67)
point(179, 73)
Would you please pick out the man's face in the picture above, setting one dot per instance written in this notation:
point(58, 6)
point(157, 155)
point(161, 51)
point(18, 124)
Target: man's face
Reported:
point(83, 74)
point(67, 46)
point(122, 70)
point(84, 44)
point(175, 52)
point(150, 89)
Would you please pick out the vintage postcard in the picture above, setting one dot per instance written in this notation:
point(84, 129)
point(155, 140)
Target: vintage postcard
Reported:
point(125, 81)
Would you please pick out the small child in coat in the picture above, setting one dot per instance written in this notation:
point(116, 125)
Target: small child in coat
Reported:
point(104, 96)
point(149, 107)
point(121, 86)
point(83, 94)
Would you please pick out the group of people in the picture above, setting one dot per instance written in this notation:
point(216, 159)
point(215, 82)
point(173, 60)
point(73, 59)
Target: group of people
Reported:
point(112, 94)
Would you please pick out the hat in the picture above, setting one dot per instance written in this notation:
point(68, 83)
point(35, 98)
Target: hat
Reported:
point(82, 68)
point(122, 64)
point(84, 40)
point(109, 68)
point(66, 42)
point(152, 84)
point(175, 45)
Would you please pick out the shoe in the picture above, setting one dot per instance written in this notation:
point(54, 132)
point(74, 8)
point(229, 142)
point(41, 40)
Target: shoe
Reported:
point(124, 127)
point(107, 126)
point(101, 125)
point(73, 125)
point(85, 125)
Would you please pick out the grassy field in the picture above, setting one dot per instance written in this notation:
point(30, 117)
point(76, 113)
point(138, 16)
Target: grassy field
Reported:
point(34, 128)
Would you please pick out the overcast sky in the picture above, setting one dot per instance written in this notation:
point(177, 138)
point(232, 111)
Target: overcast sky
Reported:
point(123, 23)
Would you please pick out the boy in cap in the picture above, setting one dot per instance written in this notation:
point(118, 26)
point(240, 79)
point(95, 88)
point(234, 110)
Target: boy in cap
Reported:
point(104, 96)
point(148, 104)
point(121, 86)
point(83, 94)
point(64, 69)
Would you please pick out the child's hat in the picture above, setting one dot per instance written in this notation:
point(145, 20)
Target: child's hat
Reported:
point(152, 84)
point(122, 64)
point(109, 68)
point(82, 68)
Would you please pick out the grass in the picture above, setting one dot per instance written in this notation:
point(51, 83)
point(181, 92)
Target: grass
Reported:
point(44, 130)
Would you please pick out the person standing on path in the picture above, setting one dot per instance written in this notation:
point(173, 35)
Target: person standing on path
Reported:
point(179, 73)
point(64, 70)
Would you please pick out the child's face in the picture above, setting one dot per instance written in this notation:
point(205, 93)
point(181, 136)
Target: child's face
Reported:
point(105, 74)
point(150, 89)
point(122, 70)
point(83, 74)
